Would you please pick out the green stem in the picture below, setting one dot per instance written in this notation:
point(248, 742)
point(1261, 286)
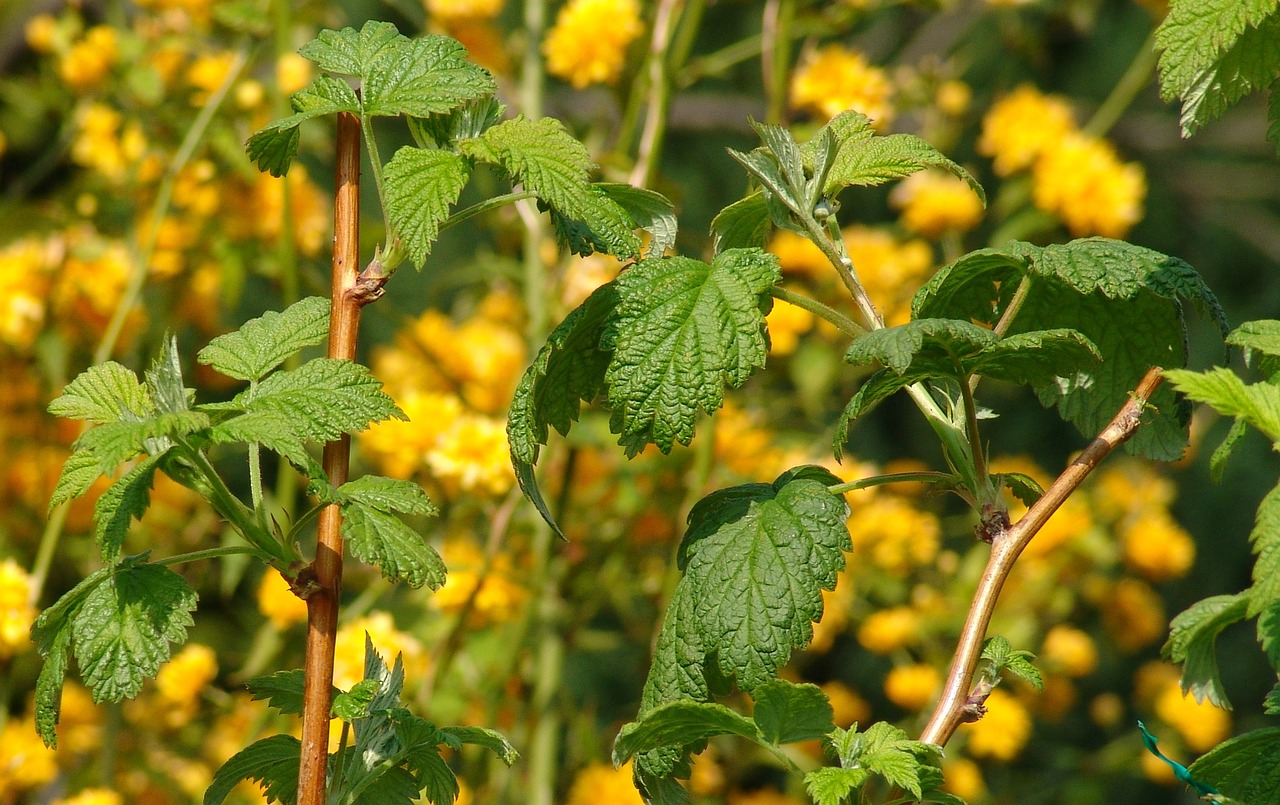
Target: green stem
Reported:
point(776, 55)
point(721, 60)
point(658, 94)
point(532, 83)
point(375, 162)
point(484, 206)
point(48, 548)
point(240, 517)
point(830, 241)
point(975, 442)
point(827, 313)
point(927, 477)
point(213, 553)
point(1122, 95)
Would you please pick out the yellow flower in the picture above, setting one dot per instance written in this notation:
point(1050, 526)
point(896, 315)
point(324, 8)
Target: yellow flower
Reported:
point(768, 795)
point(400, 447)
point(104, 143)
point(257, 210)
point(16, 612)
point(80, 725)
point(388, 641)
point(798, 255)
point(588, 43)
point(787, 323)
point(473, 456)
point(1082, 181)
point(891, 272)
point(1130, 487)
point(846, 705)
point(887, 630)
point(293, 72)
point(1106, 710)
point(894, 535)
point(1065, 526)
point(499, 598)
point(835, 613)
point(463, 9)
point(42, 33)
point(742, 444)
point(85, 65)
point(92, 796)
point(207, 73)
point(182, 679)
point(25, 762)
point(833, 79)
point(1157, 547)
point(601, 784)
point(1019, 126)
point(1156, 770)
point(1133, 615)
point(953, 97)
point(911, 687)
point(1069, 651)
point(933, 202)
point(21, 317)
point(277, 601)
point(1201, 725)
point(1003, 731)
point(962, 777)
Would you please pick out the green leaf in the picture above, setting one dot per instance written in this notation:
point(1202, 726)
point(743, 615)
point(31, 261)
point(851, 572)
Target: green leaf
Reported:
point(1002, 656)
point(104, 393)
point(272, 762)
point(387, 495)
point(164, 382)
point(48, 696)
point(1261, 336)
point(1218, 461)
point(273, 147)
point(420, 741)
point(355, 53)
point(683, 331)
point(832, 786)
point(467, 121)
point(426, 76)
point(125, 500)
point(262, 344)
point(1258, 404)
point(884, 750)
point(282, 690)
point(1215, 53)
point(353, 704)
point(1246, 768)
point(421, 184)
point(651, 211)
point(786, 712)
point(78, 474)
point(1036, 357)
point(378, 538)
point(272, 430)
point(783, 203)
point(1265, 538)
point(116, 442)
point(484, 738)
point(1271, 705)
point(680, 723)
point(324, 398)
point(1269, 634)
point(937, 344)
point(1124, 299)
point(1193, 637)
point(1024, 487)
point(743, 224)
point(549, 162)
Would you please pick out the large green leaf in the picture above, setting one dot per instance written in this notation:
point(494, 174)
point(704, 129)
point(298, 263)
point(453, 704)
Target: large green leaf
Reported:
point(421, 185)
point(1245, 768)
point(379, 538)
point(108, 392)
point(264, 343)
point(271, 762)
point(125, 500)
point(1266, 544)
point(1193, 637)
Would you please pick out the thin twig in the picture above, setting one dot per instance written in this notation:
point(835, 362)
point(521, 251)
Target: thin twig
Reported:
point(955, 707)
point(323, 582)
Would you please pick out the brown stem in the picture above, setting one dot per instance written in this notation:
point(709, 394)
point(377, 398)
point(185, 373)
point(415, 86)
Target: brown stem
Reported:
point(955, 707)
point(324, 577)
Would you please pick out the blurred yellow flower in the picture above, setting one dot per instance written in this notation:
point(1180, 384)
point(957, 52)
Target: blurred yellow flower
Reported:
point(1065, 526)
point(1003, 731)
point(388, 641)
point(86, 63)
point(42, 33)
point(1156, 547)
point(92, 796)
point(846, 705)
point(1020, 125)
point(182, 680)
point(894, 535)
point(887, 630)
point(277, 601)
point(207, 73)
point(1069, 651)
point(25, 762)
point(584, 275)
point(953, 97)
point(912, 687)
point(1156, 770)
point(962, 777)
point(1082, 181)
point(1133, 615)
point(500, 597)
point(787, 323)
point(1130, 487)
point(601, 783)
point(833, 79)
point(106, 144)
point(742, 444)
point(588, 42)
point(80, 725)
point(16, 612)
point(473, 456)
point(400, 447)
point(798, 255)
point(463, 9)
point(1107, 710)
point(1201, 725)
point(933, 202)
point(293, 72)
point(890, 271)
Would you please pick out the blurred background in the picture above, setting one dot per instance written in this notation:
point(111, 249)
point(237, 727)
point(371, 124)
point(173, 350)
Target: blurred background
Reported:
point(128, 209)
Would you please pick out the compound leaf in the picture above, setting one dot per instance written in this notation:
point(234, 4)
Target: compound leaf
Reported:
point(262, 344)
point(1193, 636)
point(355, 53)
point(936, 346)
point(421, 184)
point(832, 786)
point(272, 762)
point(270, 429)
point(387, 495)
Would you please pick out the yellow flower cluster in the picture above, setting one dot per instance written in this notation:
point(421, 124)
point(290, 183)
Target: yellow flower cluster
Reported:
point(85, 65)
point(833, 79)
point(888, 630)
point(1200, 725)
point(104, 143)
point(599, 783)
point(92, 796)
point(388, 641)
point(787, 323)
point(16, 612)
point(1077, 177)
point(935, 202)
point(1069, 651)
point(894, 535)
point(1003, 731)
point(588, 43)
point(499, 597)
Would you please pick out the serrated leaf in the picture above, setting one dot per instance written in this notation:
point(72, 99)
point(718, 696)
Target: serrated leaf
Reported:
point(786, 712)
point(876, 388)
point(378, 538)
point(425, 76)
point(1036, 357)
point(1221, 454)
point(784, 205)
point(549, 162)
point(282, 690)
point(104, 393)
point(997, 651)
point(354, 53)
point(467, 121)
point(886, 751)
point(1269, 634)
point(1258, 404)
point(323, 398)
point(1271, 705)
point(272, 762)
point(421, 185)
point(683, 331)
point(124, 501)
point(164, 381)
point(273, 147)
point(486, 739)
point(1246, 768)
point(48, 694)
point(114, 443)
point(264, 343)
point(79, 472)
point(649, 210)
point(832, 786)
point(1024, 487)
point(353, 704)
point(871, 161)
point(743, 224)
point(270, 429)
point(122, 630)
point(420, 741)
point(681, 723)
point(387, 495)
point(939, 344)
point(1124, 299)
point(1262, 336)
point(1265, 538)
point(1193, 636)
